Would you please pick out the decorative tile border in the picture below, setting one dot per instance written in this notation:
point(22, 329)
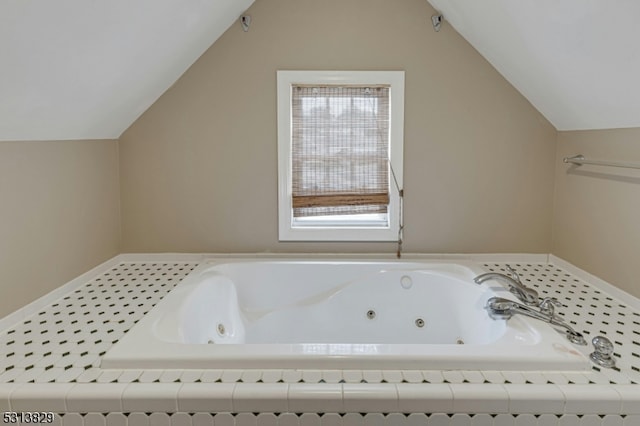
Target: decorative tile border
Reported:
point(333, 419)
point(322, 397)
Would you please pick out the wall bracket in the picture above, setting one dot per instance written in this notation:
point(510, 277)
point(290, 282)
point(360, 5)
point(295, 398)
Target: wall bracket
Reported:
point(436, 21)
point(245, 21)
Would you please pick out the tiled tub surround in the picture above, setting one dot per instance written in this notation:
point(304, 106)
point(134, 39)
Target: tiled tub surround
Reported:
point(50, 361)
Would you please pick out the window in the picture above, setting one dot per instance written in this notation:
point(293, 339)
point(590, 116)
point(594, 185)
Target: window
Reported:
point(340, 155)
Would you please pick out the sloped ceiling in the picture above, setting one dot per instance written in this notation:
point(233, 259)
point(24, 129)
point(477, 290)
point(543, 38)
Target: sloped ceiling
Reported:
point(79, 69)
point(576, 61)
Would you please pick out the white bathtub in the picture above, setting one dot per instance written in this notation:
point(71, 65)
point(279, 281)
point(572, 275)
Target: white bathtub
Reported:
point(334, 314)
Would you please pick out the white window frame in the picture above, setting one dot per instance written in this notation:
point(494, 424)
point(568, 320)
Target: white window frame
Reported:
point(287, 230)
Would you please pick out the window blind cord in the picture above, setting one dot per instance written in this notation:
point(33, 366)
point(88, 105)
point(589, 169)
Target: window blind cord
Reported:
point(400, 211)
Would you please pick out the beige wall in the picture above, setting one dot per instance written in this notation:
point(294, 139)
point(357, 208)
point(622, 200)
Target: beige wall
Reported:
point(60, 214)
point(198, 169)
point(596, 222)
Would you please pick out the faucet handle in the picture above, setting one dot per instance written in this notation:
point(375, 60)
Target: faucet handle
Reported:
point(513, 273)
point(603, 351)
point(548, 306)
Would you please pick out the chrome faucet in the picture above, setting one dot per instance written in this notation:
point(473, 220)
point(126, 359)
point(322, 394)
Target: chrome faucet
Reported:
point(500, 308)
point(527, 295)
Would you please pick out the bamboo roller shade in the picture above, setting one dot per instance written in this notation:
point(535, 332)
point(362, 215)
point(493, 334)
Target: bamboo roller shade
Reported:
point(340, 150)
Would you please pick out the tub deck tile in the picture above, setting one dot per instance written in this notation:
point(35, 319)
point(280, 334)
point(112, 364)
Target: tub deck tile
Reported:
point(556, 378)
point(332, 376)
point(251, 376)
point(515, 377)
point(577, 378)
point(109, 376)
point(50, 375)
point(412, 376)
point(271, 376)
point(263, 419)
point(432, 376)
point(150, 376)
point(129, 376)
point(453, 376)
point(163, 419)
point(311, 376)
point(372, 376)
point(534, 377)
point(26, 376)
point(494, 377)
point(191, 376)
point(231, 376)
point(475, 377)
point(170, 376)
point(352, 376)
point(631, 420)
point(211, 376)
point(8, 373)
point(392, 376)
point(64, 341)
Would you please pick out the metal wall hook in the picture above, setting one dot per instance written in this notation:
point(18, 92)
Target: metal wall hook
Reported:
point(436, 21)
point(245, 21)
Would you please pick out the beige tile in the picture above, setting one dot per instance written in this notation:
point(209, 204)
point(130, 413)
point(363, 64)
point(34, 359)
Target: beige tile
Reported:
point(260, 397)
point(630, 398)
point(206, 397)
point(535, 399)
point(370, 398)
point(40, 397)
point(315, 398)
point(424, 398)
point(587, 399)
point(103, 398)
point(5, 394)
point(151, 397)
point(484, 398)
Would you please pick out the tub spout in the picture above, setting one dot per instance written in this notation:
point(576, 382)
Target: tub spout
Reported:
point(527, 295)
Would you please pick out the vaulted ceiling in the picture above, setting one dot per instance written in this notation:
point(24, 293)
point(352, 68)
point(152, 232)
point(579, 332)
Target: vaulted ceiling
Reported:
point(78, 69)
point(576, 61)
